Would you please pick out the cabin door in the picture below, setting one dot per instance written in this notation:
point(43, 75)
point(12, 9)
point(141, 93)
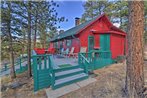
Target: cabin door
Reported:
point(104, 42)
point(90, 43)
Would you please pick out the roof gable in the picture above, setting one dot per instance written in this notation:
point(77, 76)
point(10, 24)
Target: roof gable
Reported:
point(78, 29)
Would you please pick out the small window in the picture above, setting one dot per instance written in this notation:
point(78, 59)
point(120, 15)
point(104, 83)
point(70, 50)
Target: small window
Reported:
point(68, 43)
point(56, 45)
point(61, 44)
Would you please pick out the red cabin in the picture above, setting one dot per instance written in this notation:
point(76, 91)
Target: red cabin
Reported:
point(96, 34)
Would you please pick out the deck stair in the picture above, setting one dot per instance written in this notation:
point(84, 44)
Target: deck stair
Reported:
point(68, 75)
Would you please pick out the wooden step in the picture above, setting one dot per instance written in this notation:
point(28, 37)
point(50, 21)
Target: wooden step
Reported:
point(66, 68)
point(69, 72)
point(68, 80)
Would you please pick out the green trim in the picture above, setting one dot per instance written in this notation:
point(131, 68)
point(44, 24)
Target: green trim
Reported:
point(91, 43)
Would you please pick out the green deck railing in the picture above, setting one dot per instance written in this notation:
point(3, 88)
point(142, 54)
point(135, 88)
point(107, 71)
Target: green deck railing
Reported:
point(43, 74)
point(95, 59)
point(83, 61)
point(52, 72)
point(102, 59)
point(17, 62)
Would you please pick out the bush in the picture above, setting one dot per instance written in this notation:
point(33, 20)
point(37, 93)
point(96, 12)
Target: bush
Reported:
point(120, 59)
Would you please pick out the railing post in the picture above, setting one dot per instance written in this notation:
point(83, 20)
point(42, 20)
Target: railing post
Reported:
point(79, 58)
point(49, 62)
point(35, 75)
point(5, 67)
point(86, 68)
point(20, 63)
point(45, 65)
point(52, 74)
point(39, 62)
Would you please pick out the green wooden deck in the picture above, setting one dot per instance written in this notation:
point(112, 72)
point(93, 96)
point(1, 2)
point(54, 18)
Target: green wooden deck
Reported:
point(45, 74)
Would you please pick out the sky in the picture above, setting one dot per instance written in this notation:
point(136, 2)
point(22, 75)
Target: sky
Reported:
point(70, 10)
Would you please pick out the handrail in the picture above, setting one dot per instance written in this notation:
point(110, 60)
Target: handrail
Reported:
point(85, 59)
point(41, 55)
point(84, 62)
point(92, 57)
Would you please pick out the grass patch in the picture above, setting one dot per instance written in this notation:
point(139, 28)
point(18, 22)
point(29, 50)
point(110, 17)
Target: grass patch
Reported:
point(5, 79)
point(65, 65)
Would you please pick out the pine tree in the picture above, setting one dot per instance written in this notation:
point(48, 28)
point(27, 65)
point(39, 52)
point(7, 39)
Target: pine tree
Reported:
point(116, 10)
point(10, 29)
point(135, 74)
point(38, 16)
point(44, 20)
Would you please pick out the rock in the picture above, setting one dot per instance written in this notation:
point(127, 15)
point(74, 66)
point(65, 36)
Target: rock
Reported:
point(7, 89)
point(15, 85)
point(3, 88)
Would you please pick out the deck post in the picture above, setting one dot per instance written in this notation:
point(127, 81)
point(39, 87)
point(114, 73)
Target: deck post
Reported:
point(35, 73)
point(20, 63)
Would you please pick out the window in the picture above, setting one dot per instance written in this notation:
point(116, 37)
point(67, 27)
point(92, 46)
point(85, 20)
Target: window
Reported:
point(55, 44)
point(61, 44)
point(68, 43)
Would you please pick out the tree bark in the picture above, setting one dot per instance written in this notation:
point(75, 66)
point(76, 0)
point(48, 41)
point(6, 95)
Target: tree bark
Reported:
point(35, 39)
point(134, 73)
point(12, 67)
point(29, 39)
point(35, 31)
point(44, 41)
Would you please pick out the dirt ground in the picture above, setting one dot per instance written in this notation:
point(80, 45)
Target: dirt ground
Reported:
point(24, 88)
point(110, 84)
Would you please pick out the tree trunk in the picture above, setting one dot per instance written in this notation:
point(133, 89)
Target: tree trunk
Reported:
point(35, 30)
point(34, 39)
point(13, 75)
point(29, 39)
point(134, 73)
point(44, 41)
point(12, 67)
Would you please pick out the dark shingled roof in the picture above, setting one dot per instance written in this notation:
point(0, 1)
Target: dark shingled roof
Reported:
point(71, 31)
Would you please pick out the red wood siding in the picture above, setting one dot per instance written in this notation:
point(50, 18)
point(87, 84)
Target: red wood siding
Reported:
point(117, 41)
point(117, 45)
point(76, 44)
point(97, 26)
point(51, 45)
point(97, 40)
point(59, 44)
point(64, 44)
